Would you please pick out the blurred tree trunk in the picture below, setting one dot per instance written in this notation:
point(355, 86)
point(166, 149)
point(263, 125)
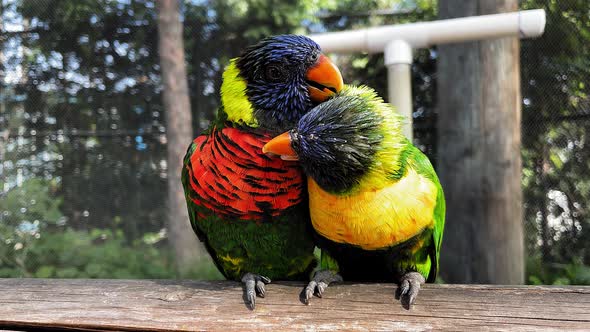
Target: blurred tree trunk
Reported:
point(479, 149)
point(179, 132)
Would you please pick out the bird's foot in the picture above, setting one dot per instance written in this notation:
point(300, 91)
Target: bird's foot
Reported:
point(409, 287)
point(318, 284)
point(254, 285)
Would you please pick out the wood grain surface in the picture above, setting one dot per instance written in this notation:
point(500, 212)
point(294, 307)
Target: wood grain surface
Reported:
point(165, 305)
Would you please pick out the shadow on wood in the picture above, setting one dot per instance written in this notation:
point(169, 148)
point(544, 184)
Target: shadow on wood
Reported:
point(165, 305)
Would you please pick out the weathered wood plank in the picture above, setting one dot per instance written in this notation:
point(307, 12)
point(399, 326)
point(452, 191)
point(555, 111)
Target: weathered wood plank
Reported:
point(164, 305)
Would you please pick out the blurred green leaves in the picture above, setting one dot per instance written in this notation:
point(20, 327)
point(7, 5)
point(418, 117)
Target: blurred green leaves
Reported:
point(35, 242)
point(100, 253)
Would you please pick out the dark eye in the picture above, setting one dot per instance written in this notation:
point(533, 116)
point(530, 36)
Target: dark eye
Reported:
point(275, 73)
point(314, 57)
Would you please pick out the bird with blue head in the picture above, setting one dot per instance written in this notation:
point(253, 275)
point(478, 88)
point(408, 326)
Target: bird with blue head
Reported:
point(250, 210)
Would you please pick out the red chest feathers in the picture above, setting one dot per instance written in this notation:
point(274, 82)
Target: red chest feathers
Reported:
point(231, 176)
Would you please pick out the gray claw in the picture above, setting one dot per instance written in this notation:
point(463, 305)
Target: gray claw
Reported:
point(410, 286)
point(321, 288)
point(320, 281)
point(405, 287)
point(309, 290)
point(254, 285)
point(260, 290)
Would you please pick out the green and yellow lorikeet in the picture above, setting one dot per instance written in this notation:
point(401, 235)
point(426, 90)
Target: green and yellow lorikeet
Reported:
point(251, 210)
point(376, 203)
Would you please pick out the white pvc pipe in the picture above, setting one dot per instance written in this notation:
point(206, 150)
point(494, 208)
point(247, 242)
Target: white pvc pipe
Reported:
point(398, 51)
point(399, 91)
point(398, 59)
point(398, 41)
point(524, 24)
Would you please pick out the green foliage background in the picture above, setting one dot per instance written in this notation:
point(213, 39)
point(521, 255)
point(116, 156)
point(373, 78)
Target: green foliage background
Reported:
point(82, 136)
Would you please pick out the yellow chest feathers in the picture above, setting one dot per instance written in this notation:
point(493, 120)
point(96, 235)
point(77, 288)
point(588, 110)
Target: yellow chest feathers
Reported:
point(374, 219)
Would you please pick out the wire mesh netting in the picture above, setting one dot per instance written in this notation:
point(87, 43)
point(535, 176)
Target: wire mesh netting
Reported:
point(83, 143)
point(83, 140)
point(555, 132)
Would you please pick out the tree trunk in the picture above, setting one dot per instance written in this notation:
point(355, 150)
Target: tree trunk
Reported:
point(179, 133)
point(479, 149)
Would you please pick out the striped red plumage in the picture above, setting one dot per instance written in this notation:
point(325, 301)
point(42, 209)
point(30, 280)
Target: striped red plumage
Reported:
point(231, 176)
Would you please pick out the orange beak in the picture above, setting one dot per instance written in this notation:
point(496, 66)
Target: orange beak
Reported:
point(324, 80)
point(281, 145)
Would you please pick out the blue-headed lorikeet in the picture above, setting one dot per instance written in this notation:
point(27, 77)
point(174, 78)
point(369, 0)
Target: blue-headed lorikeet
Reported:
point(376, 203)
point(251, 210)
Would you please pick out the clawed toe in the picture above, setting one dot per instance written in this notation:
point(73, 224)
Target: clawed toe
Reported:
point(254, 285)
point(409, 287)
point(319, 283)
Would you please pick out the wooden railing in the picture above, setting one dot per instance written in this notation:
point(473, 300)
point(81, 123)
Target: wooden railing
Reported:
point(166, 305)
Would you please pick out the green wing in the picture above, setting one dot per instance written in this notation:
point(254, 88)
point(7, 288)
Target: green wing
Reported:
point(422, 165)
point(325, 261)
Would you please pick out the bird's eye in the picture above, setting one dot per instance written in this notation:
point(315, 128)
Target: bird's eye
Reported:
point(275, 73)
point(314, 57)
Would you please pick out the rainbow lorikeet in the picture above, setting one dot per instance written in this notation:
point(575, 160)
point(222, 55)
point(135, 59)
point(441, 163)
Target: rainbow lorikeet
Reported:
point(251, 210)
point(375, 201)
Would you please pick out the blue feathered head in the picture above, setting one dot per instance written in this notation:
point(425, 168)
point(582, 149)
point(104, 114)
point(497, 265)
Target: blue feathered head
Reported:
point(276, 81)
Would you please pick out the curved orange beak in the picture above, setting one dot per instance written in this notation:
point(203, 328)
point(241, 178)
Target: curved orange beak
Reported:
point(324, 80)
point(281, 145)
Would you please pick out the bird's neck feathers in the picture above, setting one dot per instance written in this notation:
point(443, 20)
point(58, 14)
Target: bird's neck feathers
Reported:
point(389, 160)
point(236, 105)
